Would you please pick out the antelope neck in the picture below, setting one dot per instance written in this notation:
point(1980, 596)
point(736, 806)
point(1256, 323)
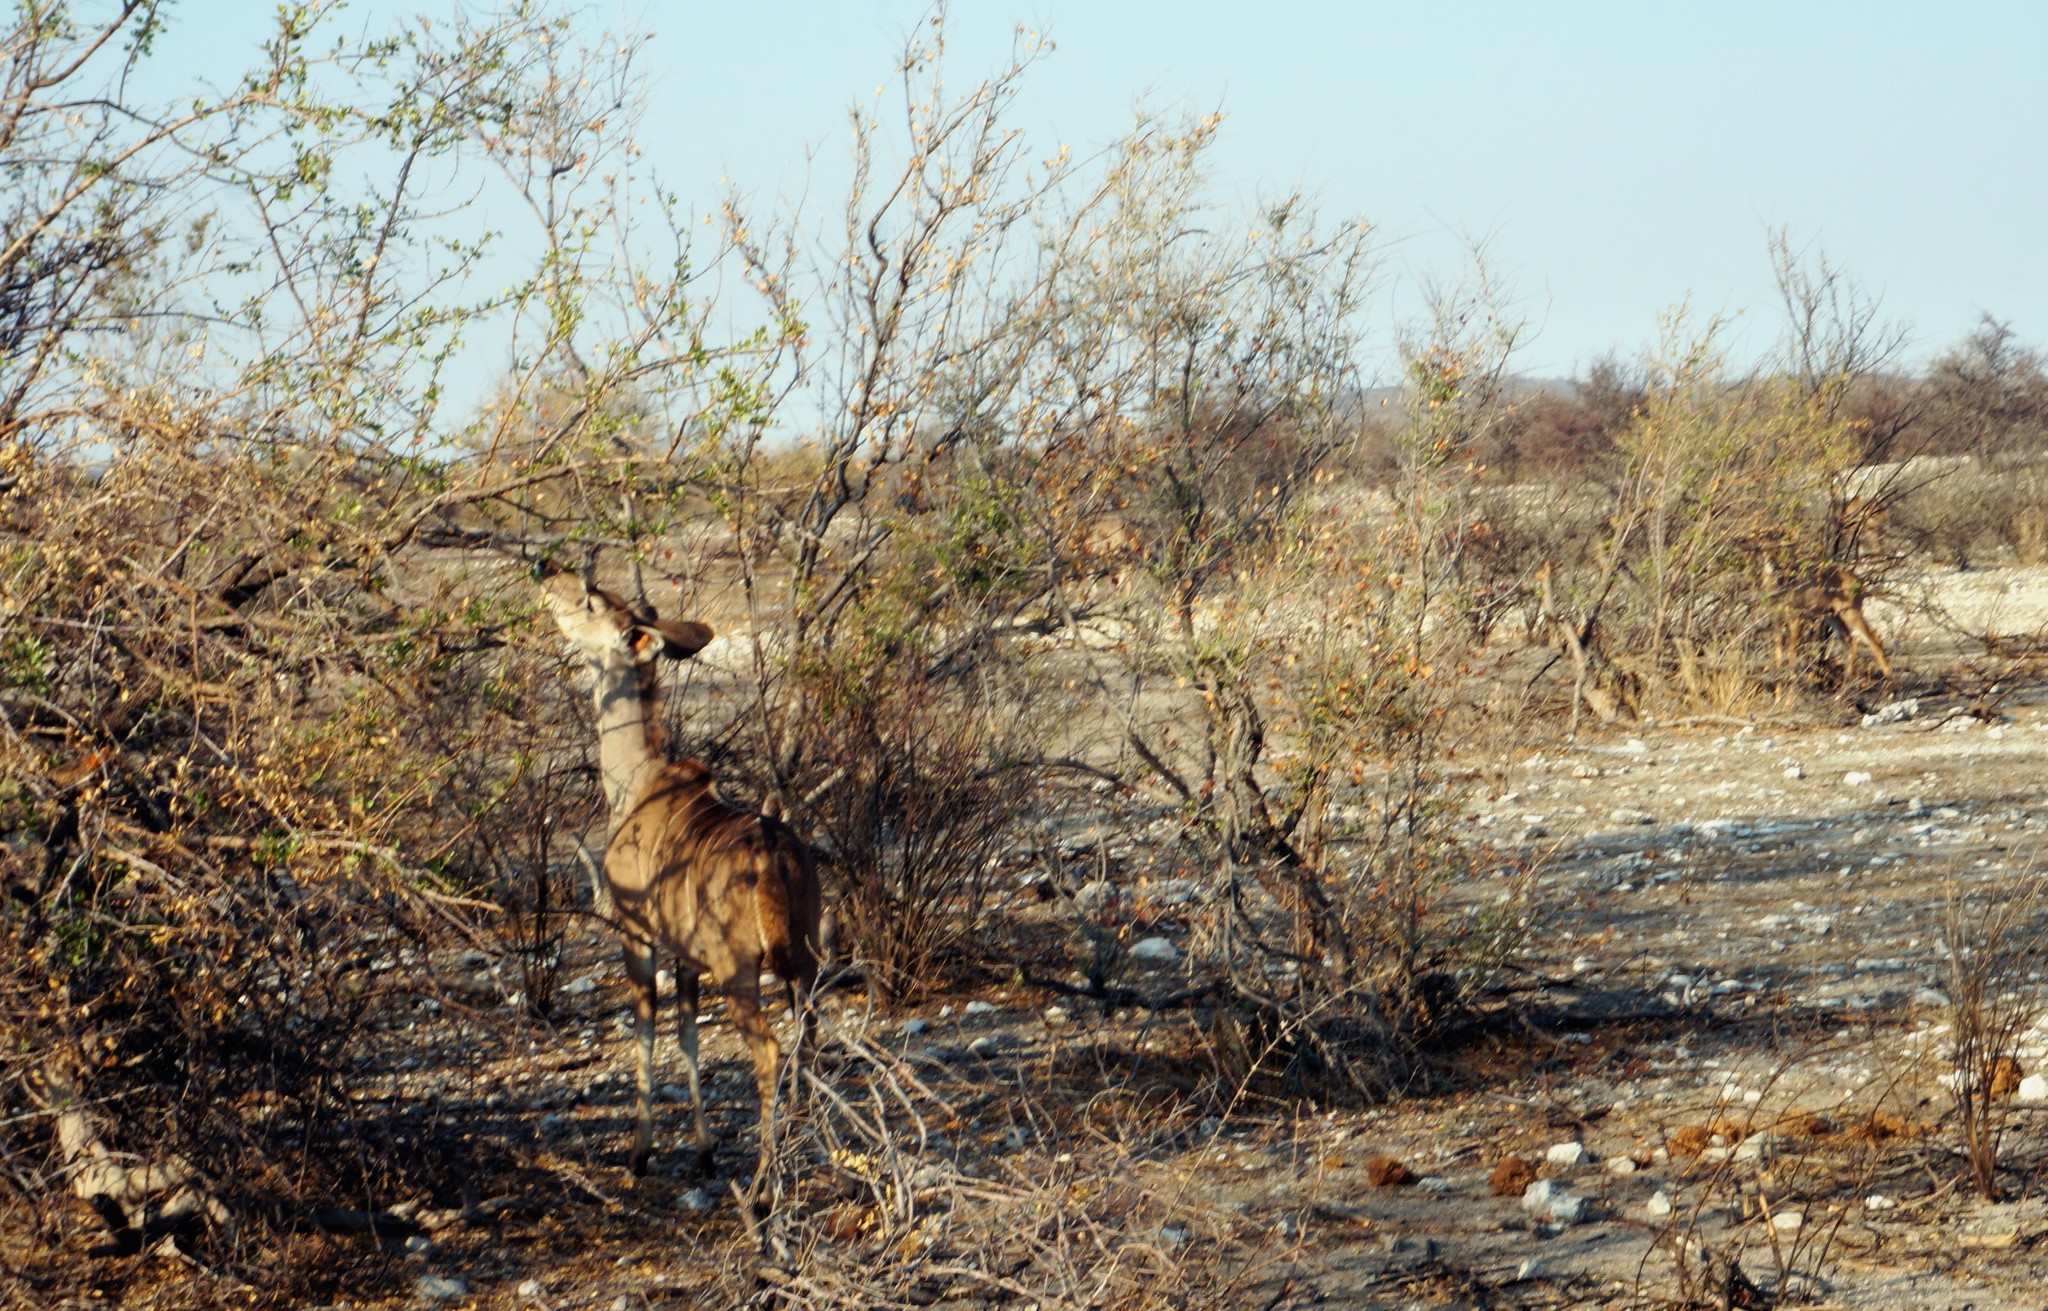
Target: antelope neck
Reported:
point(628, 734)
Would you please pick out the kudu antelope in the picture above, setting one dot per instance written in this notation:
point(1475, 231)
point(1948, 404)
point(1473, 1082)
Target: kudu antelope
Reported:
point(723, 888)
point(1832, 601)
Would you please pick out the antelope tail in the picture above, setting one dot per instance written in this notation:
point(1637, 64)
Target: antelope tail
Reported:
point(772, 911)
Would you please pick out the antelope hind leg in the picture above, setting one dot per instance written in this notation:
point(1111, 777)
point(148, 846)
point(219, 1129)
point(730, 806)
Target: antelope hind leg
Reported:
point(686, 1017)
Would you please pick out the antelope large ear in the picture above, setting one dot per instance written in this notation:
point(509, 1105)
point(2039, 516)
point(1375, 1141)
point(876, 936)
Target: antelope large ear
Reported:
point(680, 638)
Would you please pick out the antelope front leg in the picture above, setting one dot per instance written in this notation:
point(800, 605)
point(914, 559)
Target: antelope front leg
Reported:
point(686, 1016)
point(640, 974)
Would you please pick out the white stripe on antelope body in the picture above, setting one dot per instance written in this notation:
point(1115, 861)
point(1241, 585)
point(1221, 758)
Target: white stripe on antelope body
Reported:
point(726, 890)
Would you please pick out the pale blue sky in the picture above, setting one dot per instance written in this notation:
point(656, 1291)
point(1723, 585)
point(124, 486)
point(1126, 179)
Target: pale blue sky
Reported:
point(1616, 157)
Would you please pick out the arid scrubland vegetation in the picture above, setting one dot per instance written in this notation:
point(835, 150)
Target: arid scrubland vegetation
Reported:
point(1130, 651)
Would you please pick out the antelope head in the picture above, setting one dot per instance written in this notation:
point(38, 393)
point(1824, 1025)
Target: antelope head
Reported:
point(611, 634)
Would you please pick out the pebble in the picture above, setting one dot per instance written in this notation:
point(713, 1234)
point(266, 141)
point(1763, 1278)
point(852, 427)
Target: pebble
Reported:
point(2033, 1088)
point(1855, 778)
point(980, 1008)
point(1621, 1165)
point(1565, 1156)
point(1786, 1222)
point(435, 1288)
point(1157, 949)
point(697, 1199)
point(1545, 1200)
point(578, 987)
point(1758, 1147)
point(1878, 1202)
point(1096, 894)
point(915, 1025)
point(1174, 1235)
point(1659, 1204)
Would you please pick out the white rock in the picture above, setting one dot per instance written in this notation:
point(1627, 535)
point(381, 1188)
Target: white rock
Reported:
point(1529, 1269)
point(1433, 1183)
point(1536, 1197)
point(1659, 1204)
point(1758, 1147)
point(1930, 997)
point(1095, 895)
point(1056, 1015)
point(2033, 1088)
point(578, 987)
point(435, 1288)
point(980, 1008)
point(529, 1288)
point(1786, 1222)
point(915, 1025)
point(1621, 1165)
point(1174, 1235)
point(1855, 778)
point(1565, 1156)
point(1546, 1201)
point(697, 1199)
point(1898, 712)
point(1794, 771)
point(1155, 949)
point(1878, 1202)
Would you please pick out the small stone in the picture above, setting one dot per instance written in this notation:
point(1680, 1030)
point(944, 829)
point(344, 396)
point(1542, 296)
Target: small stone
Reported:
point(436, 1288)
point(1659, 1204)
point(578, 987)
point(1758, 1147)
point(1934, 997)
point(1878, 1202)
point(1386, 1172)
point(1154, 949)
point(2033, 1088)
point(1511, 1178)
point(1855, 778)
point(1433, 1183)
point(980, 1008)
point(1096, 894)
point(987, 1045)
point(1529, 1269)
point(1786, 1222)
point(697, 1199)
point(1056, 1015)
point(1621, 1165)
point(1174, 1235)
point(915, 1025)
point(1565, 1156)
point(1545, 1200)
point(528, 1288)
point(1795, 771)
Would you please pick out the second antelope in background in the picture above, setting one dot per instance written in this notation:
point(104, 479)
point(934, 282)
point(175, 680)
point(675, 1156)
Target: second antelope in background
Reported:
point(727, 890)
point(1833, 601)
